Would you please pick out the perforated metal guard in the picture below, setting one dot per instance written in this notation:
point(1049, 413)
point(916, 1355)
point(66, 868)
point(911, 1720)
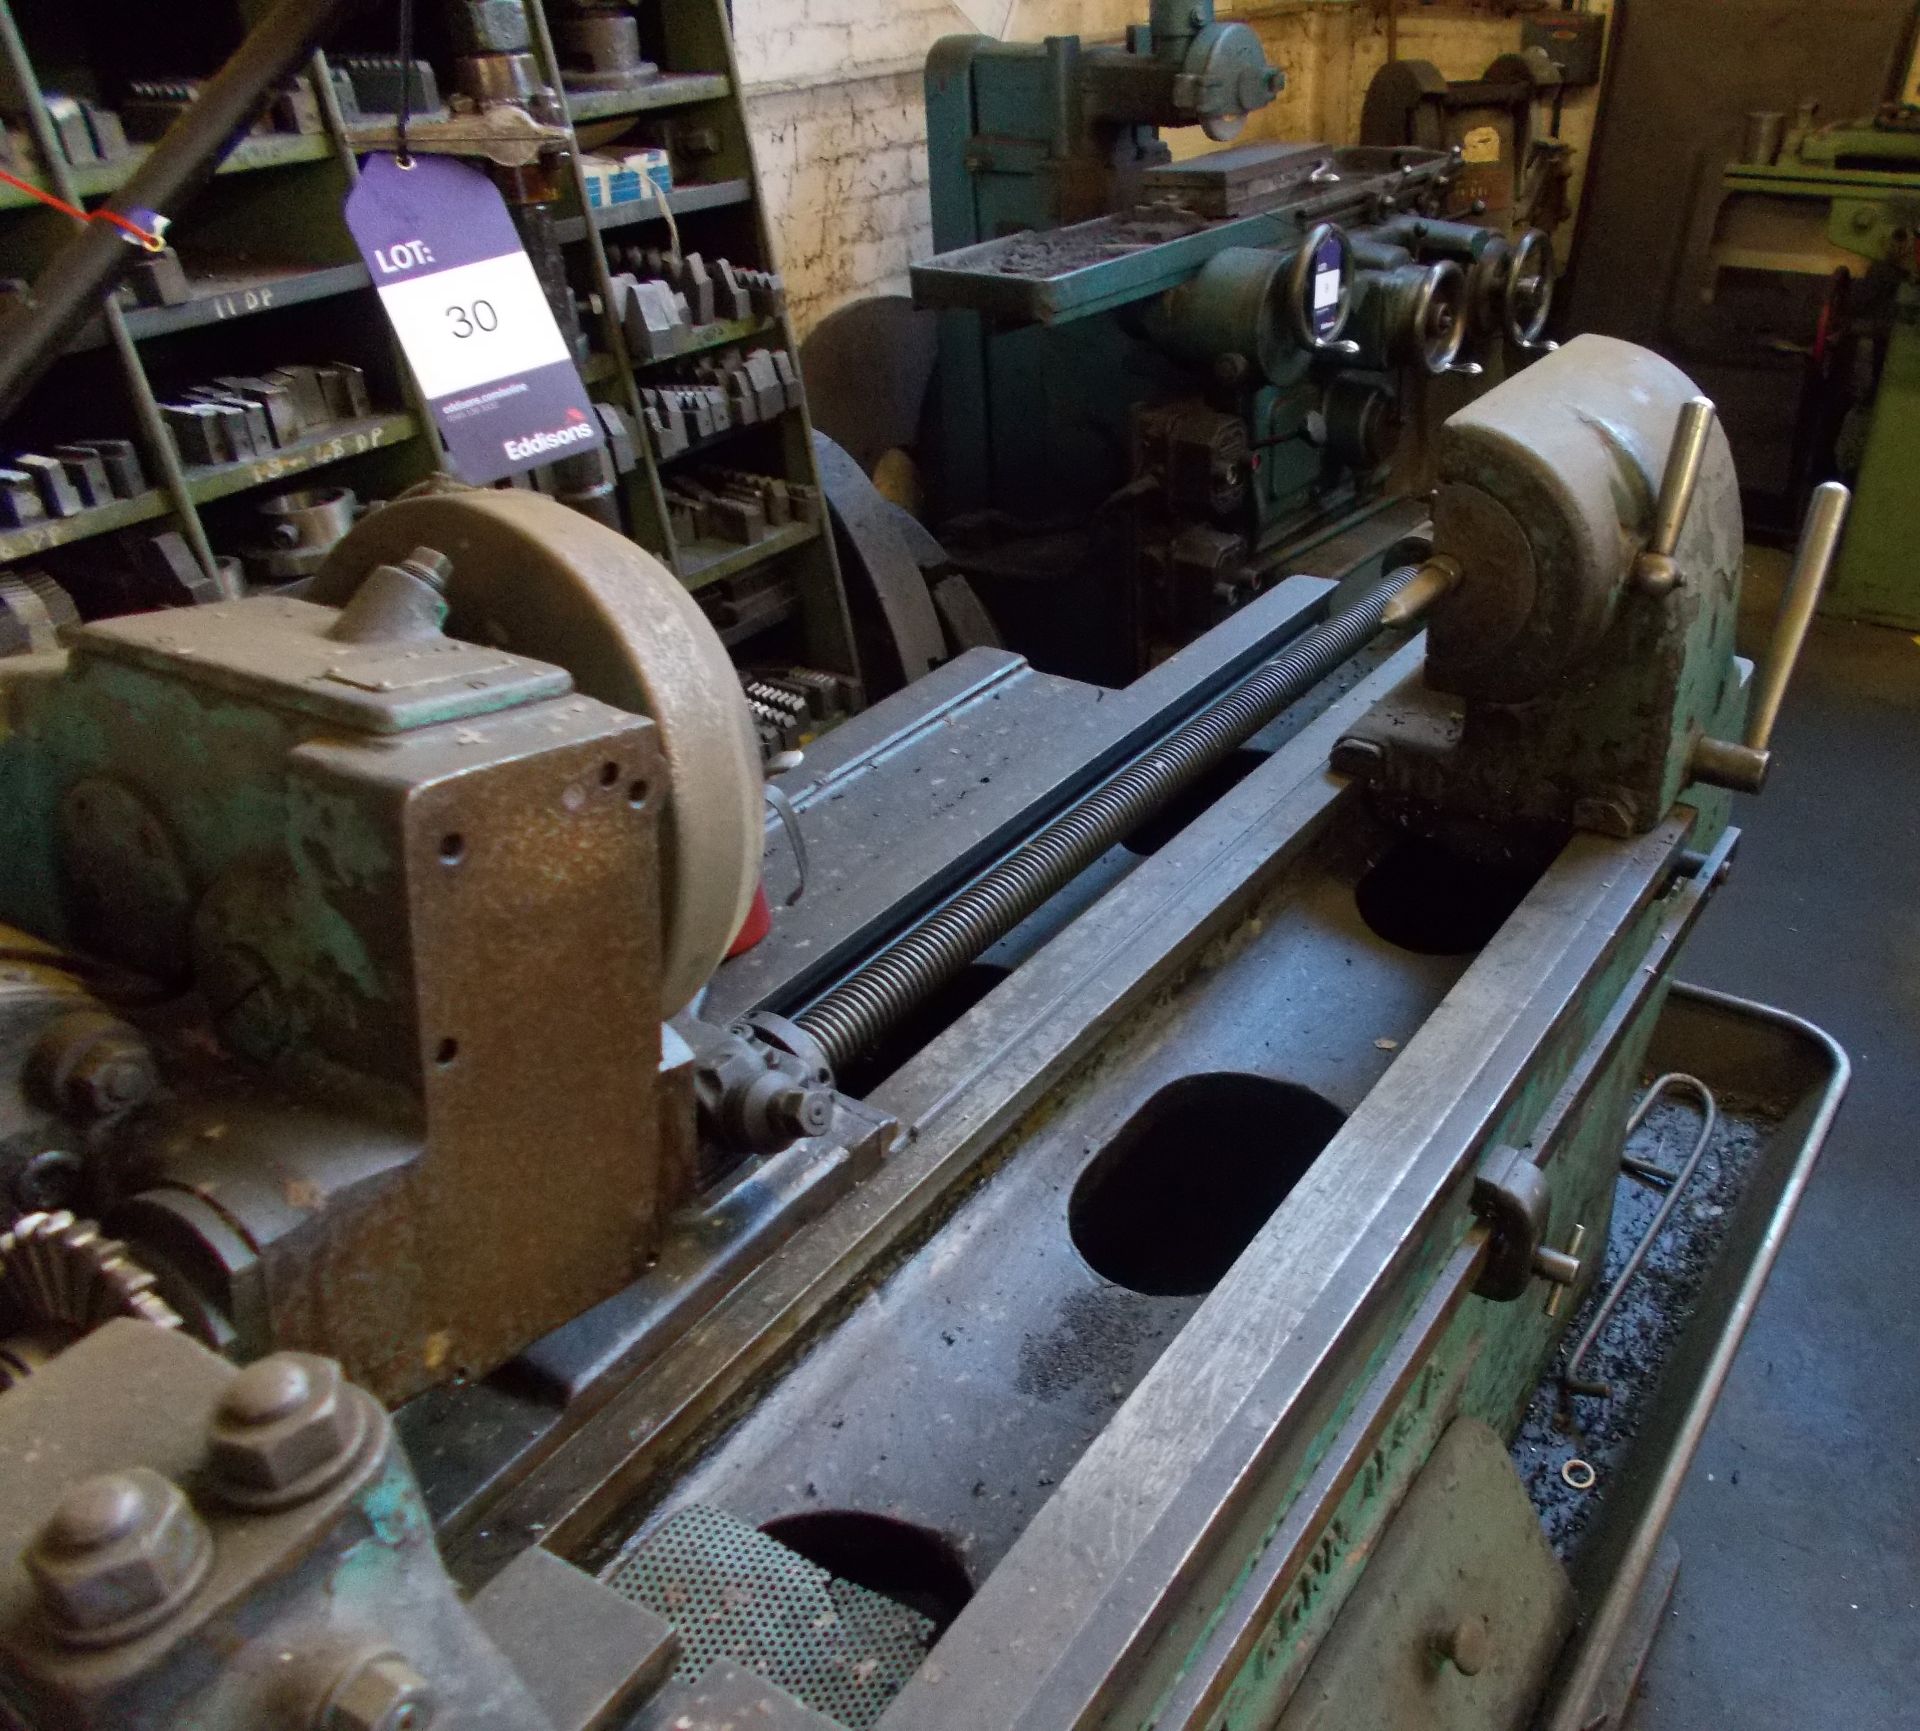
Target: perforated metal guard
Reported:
point(732, 1593)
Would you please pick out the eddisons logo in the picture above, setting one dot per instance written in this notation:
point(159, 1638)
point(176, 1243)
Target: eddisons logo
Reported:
point(577, 429)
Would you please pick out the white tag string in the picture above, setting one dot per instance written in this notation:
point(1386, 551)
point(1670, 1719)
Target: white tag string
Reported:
point(666, 210)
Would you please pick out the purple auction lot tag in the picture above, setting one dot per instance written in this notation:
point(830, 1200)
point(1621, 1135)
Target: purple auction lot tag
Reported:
point(471, 315)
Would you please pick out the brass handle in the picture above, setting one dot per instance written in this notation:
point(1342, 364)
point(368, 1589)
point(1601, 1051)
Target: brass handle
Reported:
point(1744, 767)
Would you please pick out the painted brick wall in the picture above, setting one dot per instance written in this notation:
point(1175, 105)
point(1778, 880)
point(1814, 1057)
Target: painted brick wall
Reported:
point(839, 125)
point(834, 96)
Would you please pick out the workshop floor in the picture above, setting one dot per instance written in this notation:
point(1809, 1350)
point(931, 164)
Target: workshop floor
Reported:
point(1799, 1528)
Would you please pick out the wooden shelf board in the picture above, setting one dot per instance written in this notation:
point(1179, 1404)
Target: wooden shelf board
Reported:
point(33, 539)
point(718, 334)
point(343, 439)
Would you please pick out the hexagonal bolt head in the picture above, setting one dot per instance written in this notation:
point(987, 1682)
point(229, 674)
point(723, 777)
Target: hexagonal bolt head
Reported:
point(92, 1065)
point(382, 1694)
point(286, 1429)
point(121, 1552)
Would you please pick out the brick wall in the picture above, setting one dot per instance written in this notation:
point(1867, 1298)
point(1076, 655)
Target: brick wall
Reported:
point(839, 126)
point(834, 96)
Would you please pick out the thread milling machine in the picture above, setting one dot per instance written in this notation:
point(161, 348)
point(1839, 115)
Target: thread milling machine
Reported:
point(1103, 1257)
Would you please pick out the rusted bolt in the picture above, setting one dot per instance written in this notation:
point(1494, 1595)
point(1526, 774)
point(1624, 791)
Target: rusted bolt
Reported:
point(120, 1554)
point(91, 1065)
point(1466, 1646)
point(288, 1427)
point(383, 1693)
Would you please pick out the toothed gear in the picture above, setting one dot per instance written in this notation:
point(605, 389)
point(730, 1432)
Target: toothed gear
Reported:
point(59, 1278)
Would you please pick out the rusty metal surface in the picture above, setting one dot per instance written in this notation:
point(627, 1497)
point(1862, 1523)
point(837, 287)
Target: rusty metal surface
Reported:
point(532, 576)
point(361, 1141)
point(289, 1597)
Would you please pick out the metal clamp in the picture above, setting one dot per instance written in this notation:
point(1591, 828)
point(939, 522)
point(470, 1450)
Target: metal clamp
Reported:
point(1510, 1193)
point(782, 806)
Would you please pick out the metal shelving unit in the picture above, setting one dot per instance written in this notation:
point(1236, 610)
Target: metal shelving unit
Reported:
point(273, 279)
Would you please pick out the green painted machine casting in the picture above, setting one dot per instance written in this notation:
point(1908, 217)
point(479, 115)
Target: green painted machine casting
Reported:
point(1158, 378)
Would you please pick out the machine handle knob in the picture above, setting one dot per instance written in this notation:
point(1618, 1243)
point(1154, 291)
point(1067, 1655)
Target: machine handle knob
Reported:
point(1467, 369)
point(1345, 346)
point(1654, 571)
point(1744, 767)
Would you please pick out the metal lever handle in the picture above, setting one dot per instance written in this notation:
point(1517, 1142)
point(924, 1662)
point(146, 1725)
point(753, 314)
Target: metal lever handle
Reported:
point(1654, 571)
point(1467, 369)
point(1812, 561)
point(1744, 767)
point(1340, 346)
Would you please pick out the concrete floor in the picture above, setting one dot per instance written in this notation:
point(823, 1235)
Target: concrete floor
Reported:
point(1800, 1525)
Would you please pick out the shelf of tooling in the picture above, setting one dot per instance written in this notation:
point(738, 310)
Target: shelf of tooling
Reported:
point(220, 297)
point(282, 149)
point(599, 367)
point(97, 179)
point(212, 481)
point(682, 201)
point(704, 562)
point(669, 90)
point(216, 299)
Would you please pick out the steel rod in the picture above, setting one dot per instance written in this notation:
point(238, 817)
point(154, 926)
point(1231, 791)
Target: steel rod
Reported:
point(850, 1017)
point(1677, 1182)
point(67, 291)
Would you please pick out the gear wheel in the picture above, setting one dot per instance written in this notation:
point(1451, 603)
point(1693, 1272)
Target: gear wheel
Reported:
point(59, 1279)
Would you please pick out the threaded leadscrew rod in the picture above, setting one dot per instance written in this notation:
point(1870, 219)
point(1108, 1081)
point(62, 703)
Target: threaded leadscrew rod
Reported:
point(875, 996)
